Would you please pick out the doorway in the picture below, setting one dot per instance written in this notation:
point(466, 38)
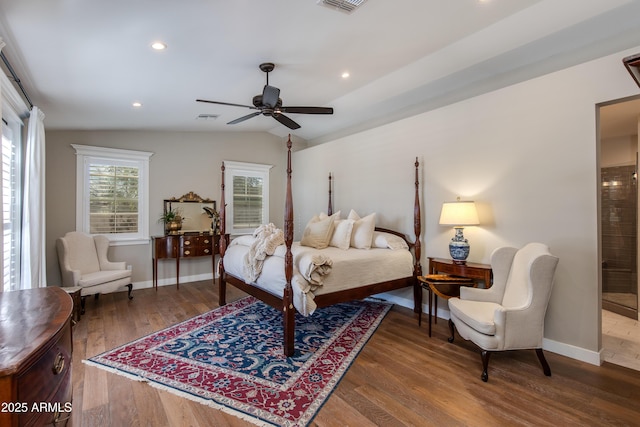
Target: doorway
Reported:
point(619, 123)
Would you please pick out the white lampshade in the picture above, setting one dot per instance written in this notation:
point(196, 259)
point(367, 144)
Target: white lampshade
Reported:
point(459, 214)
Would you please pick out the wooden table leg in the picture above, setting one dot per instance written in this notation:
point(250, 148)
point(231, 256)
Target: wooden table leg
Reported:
point(419, 306)
point(430, 304)
point(154, 270)
point(178, 272)
point(435, 306)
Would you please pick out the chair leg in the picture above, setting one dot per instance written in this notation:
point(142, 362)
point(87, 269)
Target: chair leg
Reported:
point(485, 364)
point(130, 286)
point(83, 300)
point(543, 361)
point(452, 330)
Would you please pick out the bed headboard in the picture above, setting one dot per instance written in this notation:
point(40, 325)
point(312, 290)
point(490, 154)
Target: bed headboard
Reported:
point(417, 223)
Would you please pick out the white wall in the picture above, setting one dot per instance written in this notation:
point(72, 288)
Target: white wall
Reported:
point(527, 154)
point(182, 162)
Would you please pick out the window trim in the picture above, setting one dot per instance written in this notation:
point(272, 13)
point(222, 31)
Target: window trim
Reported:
point(139, 159)
point(232, 169)
point(14, 111)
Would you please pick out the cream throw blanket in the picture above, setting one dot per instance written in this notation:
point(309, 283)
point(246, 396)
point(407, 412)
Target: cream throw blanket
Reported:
point(311, 264)
point(267, 238)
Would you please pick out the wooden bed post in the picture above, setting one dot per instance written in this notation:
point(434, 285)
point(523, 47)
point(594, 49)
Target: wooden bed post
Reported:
point(288, 311)
point(222, 245)
point(417, 229)
point(330, 206)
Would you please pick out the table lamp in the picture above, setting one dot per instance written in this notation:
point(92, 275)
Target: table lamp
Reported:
point(459, 214)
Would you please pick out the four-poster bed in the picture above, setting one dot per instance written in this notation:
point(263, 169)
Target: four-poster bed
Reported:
point(382, 280)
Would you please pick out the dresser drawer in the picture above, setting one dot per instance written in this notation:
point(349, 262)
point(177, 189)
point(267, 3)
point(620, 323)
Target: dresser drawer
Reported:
point(196, 246)
point(49, 373)
point(56, 411)
point(447, 269)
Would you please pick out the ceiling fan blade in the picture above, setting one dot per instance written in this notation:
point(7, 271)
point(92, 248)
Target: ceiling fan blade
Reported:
point(286, 121)
point(243, 118)
point(226, 103)
point(270, 96)
point(307, 110)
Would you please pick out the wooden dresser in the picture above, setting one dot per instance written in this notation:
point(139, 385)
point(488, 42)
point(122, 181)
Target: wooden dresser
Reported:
point(35, 357)
point(183, 246)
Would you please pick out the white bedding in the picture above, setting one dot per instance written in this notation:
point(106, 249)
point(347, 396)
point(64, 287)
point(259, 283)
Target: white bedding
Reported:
point(350, 268)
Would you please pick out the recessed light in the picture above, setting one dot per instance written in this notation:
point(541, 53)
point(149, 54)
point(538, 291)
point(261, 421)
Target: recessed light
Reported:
point(137, 104)
point(345, 75)
point(158, 46)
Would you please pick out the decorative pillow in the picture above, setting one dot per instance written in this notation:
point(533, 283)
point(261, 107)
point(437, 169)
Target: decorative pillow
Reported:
point(342, 233)
point(388, 240)
point(362, 234)
point(318, 232)
point(335, 216)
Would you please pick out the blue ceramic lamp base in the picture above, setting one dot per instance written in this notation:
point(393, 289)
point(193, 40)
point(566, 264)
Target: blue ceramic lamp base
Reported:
point(459, 247)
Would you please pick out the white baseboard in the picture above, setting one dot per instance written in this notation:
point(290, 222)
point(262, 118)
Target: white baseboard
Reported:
point(568, 350)
point(573, 352)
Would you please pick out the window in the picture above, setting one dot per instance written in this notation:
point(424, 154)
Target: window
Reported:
point(247, 196)
point(14, 111)
point(112, 195)
point(11, 204)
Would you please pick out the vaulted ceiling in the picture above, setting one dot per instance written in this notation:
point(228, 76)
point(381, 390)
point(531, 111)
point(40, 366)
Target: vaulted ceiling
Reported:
point(84, 62)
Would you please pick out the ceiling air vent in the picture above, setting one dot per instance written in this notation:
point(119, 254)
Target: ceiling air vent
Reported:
point(346, 6)
point(207, 116)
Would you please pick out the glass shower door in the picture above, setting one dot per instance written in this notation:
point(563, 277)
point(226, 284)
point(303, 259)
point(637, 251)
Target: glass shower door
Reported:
point(619, 240)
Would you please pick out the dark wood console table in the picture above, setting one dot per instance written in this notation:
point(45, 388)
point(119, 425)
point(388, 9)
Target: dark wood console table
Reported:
point(183, 246)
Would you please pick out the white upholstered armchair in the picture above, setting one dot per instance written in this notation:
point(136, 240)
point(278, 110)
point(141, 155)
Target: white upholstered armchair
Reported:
point(510, 314)
point(84, 263)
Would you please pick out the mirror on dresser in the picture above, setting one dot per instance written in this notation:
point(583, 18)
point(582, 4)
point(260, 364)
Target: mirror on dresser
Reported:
point(197, 215)
point(195, 234)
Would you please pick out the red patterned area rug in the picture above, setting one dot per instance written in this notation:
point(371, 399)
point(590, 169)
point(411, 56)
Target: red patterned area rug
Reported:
point(231, 358)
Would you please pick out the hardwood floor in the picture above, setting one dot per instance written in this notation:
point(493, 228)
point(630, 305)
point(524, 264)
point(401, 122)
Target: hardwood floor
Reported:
point(401, 378)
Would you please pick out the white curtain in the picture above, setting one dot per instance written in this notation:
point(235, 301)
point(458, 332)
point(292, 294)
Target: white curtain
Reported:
point(2, 44)
point(33, 262)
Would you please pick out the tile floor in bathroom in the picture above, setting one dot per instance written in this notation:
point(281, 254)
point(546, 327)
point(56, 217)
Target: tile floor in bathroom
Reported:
point(621, 340)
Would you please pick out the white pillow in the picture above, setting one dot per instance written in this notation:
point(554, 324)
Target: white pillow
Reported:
point(362, 234)
point(342, 233)
point(388, 240)
point(245, 240)
point(318, 232)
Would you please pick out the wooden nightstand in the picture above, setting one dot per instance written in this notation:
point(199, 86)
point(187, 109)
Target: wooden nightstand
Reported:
point(443, 286)
point(470, 270)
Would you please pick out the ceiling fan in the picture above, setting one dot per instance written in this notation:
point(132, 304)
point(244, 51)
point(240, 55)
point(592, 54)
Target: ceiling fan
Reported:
point(270, 104)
